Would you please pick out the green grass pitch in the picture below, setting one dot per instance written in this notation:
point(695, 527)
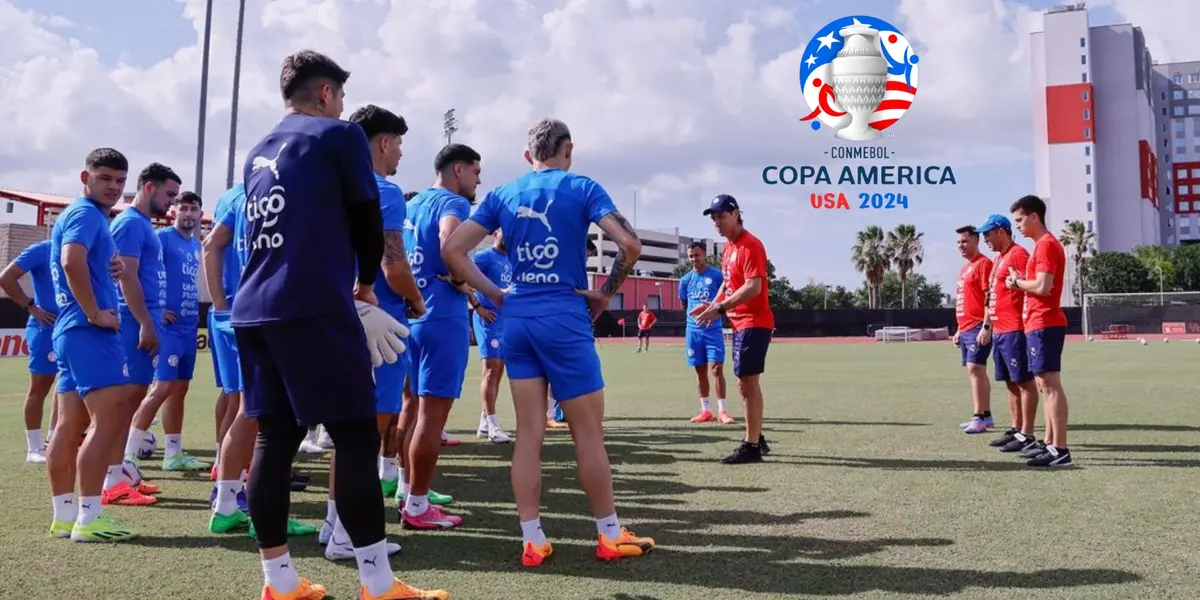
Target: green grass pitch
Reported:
point(871, 492)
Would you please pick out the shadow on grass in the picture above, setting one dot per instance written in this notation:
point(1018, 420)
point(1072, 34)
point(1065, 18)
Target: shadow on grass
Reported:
point(770, 421)
point(1146, 462)
point(1142, 448)
point(1131, 427)
point(900, 464)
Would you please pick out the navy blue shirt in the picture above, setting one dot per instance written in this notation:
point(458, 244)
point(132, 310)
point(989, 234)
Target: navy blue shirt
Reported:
point(35, 260)
point(545, 217)
point(300, 181)
point(86, 224)
point(422, 231)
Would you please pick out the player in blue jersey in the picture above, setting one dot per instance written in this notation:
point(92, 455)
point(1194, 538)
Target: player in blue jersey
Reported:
point(399, 297)
point(705, 345)
point(548, 315)
point(91, 359)
point(314, 244)
point(140, 297)
point(39, 334)
point(492, 262)
point(222, 255)
point(440, 342)
point(177, 339)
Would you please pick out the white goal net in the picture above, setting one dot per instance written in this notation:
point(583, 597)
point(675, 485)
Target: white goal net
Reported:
point(1122, 316)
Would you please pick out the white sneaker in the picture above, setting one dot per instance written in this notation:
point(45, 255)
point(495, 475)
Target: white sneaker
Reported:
point(37, 457)
point(324, 441)
point(497, 435)
point(336, 551)
point(481, 431)
point(325, 533)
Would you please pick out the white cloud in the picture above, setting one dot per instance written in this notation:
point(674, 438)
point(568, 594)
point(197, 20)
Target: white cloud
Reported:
point(675, 100)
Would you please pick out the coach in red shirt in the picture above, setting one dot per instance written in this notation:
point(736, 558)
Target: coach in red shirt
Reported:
point(744, 300)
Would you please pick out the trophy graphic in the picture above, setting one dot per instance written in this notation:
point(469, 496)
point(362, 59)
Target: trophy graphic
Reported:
point(859, 81)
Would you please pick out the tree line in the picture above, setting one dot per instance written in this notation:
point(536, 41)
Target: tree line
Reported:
point(1144, 269)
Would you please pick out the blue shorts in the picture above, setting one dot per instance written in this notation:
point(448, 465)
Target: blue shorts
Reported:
point(177, 354)
point(438, 351)
point(704, 346)
point(142, 364)
point(389, 385)
point(89, 359)
point(224, 349)
point(42, 358)
point(212, 351)
point(1045, 349)
point(1011, 357)
point(559, 348)
point(488, 337)
point(750, 351)
point(972, 351)
point(311, 371)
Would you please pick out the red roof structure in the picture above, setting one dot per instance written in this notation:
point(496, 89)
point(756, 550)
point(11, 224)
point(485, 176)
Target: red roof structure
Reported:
point(49, 205)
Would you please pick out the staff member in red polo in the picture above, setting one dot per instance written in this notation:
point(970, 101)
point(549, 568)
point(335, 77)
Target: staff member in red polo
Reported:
point(744, 300)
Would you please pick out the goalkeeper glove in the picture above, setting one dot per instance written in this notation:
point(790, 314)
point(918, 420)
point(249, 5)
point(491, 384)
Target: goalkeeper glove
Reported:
point(383, 334)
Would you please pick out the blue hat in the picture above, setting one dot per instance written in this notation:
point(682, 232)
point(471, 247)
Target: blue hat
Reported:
point(722, 203)
point(993, 222)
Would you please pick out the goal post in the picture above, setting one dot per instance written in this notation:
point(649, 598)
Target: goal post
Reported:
point(1118, 316)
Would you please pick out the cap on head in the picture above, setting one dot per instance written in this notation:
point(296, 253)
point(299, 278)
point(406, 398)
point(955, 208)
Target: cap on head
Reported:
point(995, 221)
point(722, 203)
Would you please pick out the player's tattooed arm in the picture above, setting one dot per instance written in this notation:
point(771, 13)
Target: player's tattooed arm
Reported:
point(397, 273)
point(393, 247)
point(629, 249)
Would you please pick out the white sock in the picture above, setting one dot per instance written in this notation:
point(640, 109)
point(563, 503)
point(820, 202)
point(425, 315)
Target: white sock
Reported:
point(340, 535)
point(113, 477)
point(33, 440)
point(227, 492)
point(374, 568)
point(134, 443)
point(609, 527)
point(403, 484)
point(217, 457)
point(331, 511)
point(66, 508)
point(280, 574)
point(705, 404)
point(89, 509)
point(721, 405)
point(483, 420)
point(389, 470)
point(416, 505)
point(174, 445)
point(532, 532)
point(493, 421)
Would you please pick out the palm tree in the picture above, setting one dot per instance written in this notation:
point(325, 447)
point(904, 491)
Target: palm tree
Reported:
point(872, 258)
point(904, 244)
point(1075, 235)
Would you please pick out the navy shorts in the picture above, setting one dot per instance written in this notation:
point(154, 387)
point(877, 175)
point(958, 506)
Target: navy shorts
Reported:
point(1045, 349)
point(972, 351)
point(750, 351)
point(313, 370)
point(1011, 357)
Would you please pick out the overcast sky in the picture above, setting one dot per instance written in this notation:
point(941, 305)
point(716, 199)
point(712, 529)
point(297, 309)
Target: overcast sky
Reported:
point(671, 100)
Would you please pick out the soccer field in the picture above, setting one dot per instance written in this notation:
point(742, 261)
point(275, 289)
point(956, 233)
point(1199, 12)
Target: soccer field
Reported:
point(871, 492)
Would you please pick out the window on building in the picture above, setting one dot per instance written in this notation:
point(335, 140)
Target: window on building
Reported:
point(1087, 150)
point(1087, 169)
point(1089, 206)
point(1179, 135)
point(1085, 95)
point(1183, 189)
point(1164, 127)
point(1089, 226)
point(617, 302)
point(1194, 77)
point(1185, 206)
point(8, 207)
point(1193, 94)
point(1180, 150)
point(1194, 109)
point(1177, 78)
point(1089, 188)
point(1179, 126)
point(1195, 173)
point(1177, 95)
point(1082, 42)
point(1181, 173)
point(1164, 111)
point(654, 302)
point(1177, 111)
point(1087, 133)
point(1196, 149)
point(1087, 114)
point(1083, 59)
point(1085, 76)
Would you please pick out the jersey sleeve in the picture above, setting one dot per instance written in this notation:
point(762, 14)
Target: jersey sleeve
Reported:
point(1048, 258)
point(599, 203)
point(684, 283)
point(487, 214)
point(754, 261)
point(33, 257)
point(353, 156)
point(985, 275)
point(128, 237)
point(83, 228)
point(1018, 261)
point(391, 200)
point(456, 207)
point(226, 215)
point(718, 280)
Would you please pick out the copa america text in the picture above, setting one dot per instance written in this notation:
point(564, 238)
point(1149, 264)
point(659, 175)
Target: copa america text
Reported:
point(861, 175)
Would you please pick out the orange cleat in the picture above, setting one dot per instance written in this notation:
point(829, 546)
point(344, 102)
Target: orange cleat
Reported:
point(403, 591)
point(705, 416)
point(534, 556)
point(627, 545)
point(126, 495)
point(307, 590)
point(725, 418)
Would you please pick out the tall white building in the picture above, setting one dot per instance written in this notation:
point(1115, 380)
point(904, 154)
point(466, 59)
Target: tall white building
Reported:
point(1179, 97)
point(1099, 127)
point(661, 251)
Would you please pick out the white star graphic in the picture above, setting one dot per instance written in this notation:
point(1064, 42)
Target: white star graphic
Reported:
point(811, 60)
point(827, 42)
point(857, 22)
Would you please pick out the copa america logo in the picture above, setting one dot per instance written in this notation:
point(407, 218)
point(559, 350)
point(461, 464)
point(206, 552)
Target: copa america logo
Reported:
point(859, 76)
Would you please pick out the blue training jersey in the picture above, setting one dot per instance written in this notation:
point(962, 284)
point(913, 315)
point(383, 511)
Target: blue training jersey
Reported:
point(395, 211)
point(35, 260)
point(230, 205)
point(84, 223)
point(134, 236)
point(697, 287)
point(301, 179)
point(422, 230)
point(495, 265)
point(181, 260)
point(545, 217)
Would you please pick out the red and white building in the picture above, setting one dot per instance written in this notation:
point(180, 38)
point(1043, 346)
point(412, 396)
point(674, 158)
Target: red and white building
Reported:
point(1099, 129)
